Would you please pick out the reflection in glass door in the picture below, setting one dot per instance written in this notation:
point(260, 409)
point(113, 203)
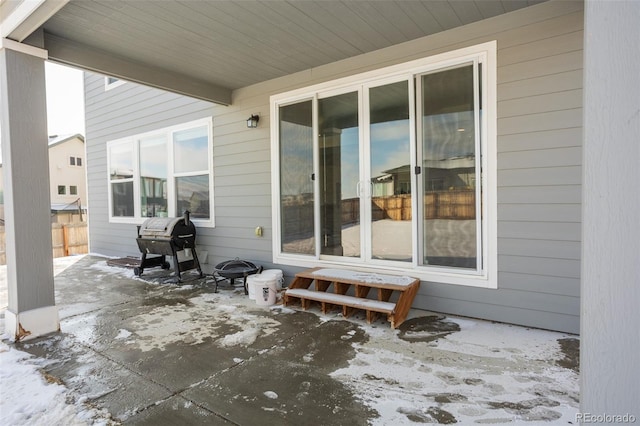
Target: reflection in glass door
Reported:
point(450, 109)
point(297, 206)
point(390, 172)
point(339, 161)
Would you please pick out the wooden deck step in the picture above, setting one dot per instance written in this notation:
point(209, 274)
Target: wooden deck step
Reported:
point(342, 299)
point(343, 281)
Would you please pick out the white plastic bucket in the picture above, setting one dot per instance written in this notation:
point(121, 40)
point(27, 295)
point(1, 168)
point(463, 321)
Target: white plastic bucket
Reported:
point(265, 290)
point(275, 273)
point(251, 280)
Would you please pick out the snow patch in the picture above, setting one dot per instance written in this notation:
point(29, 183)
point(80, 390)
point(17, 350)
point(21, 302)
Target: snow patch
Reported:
point(200, 320)
point(343, 274)
point(244, 337)
point(472, 376)
point(123, 334)
point(27, 399)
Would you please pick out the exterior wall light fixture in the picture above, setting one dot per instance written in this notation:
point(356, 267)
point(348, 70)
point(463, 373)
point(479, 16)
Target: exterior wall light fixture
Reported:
point(252, 122)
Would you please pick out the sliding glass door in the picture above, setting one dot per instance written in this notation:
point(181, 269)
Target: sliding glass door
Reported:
point(389, 180)
point(339, 177)
point(388, 172)
point(365, 173)
point(450, 146)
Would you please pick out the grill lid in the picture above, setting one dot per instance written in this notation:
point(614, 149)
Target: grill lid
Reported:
point(159, 227)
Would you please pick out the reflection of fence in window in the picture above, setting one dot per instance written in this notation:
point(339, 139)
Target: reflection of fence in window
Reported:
point(298, 214)
point(459, 205)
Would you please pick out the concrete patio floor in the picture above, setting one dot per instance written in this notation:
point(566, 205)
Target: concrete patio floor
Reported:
point(150, 351)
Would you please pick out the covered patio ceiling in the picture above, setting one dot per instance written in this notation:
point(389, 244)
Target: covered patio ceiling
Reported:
point(207, 49)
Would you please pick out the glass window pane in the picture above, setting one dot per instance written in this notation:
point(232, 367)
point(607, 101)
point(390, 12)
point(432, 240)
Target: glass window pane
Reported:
point(153, 177)
point(191, 150)
point(122, 199)
point(73, 190)
point(296, 185)
point(121, 161)
point(193, 195)
point(449, 164)
point(391, 227)
point(339, 156)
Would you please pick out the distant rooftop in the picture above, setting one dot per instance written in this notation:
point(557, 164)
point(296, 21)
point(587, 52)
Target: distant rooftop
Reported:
point(57, 139)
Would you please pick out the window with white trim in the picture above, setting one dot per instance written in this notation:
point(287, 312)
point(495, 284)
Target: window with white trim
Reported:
point(393, 169)
point(162, 173)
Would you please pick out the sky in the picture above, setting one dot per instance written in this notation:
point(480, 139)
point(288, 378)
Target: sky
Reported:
point(65, 100)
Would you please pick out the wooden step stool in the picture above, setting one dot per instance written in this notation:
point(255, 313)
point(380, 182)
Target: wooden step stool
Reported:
point(362, 282)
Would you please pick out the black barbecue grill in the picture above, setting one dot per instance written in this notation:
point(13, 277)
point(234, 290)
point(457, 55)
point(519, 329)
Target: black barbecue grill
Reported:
point(166, 236)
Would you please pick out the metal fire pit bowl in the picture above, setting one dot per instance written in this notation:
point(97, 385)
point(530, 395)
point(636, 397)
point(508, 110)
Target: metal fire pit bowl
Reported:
point(233, 269)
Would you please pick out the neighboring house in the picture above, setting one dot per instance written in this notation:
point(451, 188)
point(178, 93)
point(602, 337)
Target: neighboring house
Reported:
point(67, 178)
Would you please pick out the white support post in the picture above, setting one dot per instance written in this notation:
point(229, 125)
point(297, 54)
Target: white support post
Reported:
point(610, 292)
point(31, 303)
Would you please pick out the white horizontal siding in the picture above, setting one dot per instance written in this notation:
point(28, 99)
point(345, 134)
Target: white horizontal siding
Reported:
point(539, 162)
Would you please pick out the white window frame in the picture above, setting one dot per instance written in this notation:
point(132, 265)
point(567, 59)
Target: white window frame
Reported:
point(166, 132)
point(486, 53)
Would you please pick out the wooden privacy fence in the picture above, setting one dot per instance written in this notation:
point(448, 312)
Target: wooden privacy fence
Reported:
point(298, 213)
point(458, 205)
point(67, 239)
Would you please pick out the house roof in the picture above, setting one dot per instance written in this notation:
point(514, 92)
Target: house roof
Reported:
point(58, 139)
point(207, 49)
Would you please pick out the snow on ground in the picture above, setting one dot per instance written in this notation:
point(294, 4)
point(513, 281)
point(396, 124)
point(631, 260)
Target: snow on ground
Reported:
point(191, 323)
point(480, 374)
point(26, 398)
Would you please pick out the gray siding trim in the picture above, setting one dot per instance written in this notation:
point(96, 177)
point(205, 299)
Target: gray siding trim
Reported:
point(539, 163)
